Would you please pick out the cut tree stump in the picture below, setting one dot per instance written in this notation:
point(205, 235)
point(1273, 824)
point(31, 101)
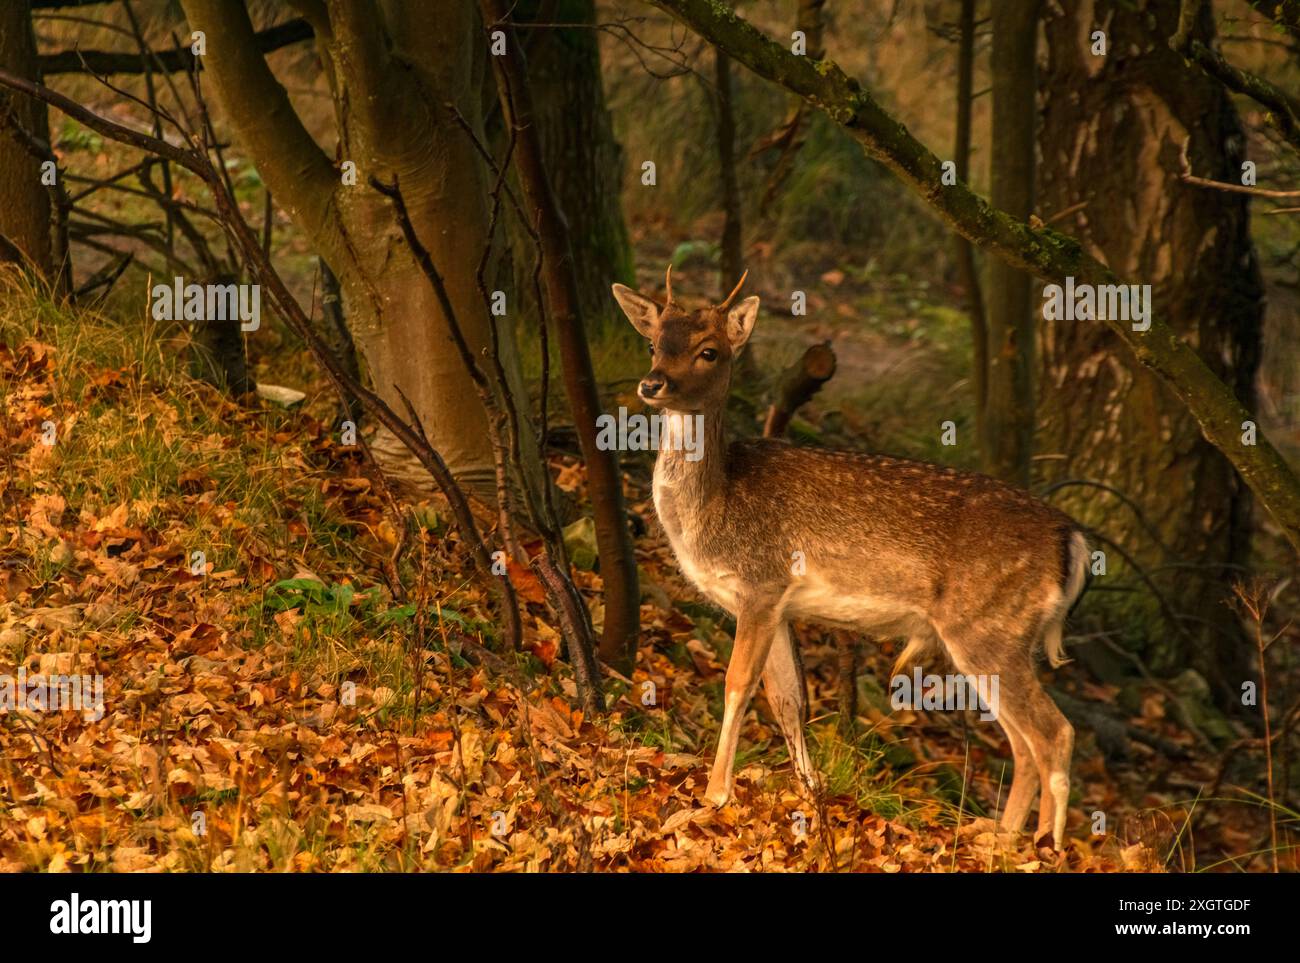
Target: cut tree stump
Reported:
point(797, 386)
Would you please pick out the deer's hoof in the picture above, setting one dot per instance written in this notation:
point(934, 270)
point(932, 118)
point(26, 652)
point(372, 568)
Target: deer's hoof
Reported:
point(717, 797)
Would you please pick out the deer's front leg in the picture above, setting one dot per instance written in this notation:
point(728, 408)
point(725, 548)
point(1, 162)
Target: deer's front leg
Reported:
point(755, 628)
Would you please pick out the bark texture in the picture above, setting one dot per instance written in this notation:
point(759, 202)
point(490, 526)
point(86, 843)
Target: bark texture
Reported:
point(24, 202)
point(1113, 129)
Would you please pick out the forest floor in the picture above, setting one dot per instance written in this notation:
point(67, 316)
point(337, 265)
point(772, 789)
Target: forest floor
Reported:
point(271, 704)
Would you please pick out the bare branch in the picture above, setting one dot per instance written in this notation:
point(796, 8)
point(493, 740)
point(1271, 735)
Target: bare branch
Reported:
point(1281, 111)
point(112, 62)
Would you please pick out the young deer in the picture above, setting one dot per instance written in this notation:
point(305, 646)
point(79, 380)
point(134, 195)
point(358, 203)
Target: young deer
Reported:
point(956, 563)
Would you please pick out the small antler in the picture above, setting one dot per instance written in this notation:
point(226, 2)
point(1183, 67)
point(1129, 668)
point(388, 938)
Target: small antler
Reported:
point(734, 291)
point(668, 282)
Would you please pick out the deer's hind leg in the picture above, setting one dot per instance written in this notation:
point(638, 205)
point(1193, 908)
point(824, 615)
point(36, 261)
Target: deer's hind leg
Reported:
point(1032, 722)
point(1026, 707)
point(1053, 748)
point(783, 684)
point(1024, 779)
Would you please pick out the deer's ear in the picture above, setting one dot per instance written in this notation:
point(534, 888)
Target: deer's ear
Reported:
point(640, 310)
point(740, 322)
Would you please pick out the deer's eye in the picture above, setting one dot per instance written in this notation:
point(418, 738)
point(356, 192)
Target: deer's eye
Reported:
point(709, 354)
point(651, 346)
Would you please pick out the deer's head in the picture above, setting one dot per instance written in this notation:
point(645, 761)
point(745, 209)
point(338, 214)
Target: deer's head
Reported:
point(690, 351)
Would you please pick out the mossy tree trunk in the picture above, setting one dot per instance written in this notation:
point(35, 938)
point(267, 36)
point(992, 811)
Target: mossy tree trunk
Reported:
point(1113, 130)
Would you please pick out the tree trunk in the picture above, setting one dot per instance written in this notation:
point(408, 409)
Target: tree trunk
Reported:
point(583, 158)
point(24, 202)
point(731, 262)
point(564, 312)
point(731, 265)
point(217, 353)
point(334, 332)
point(392, 71)
point(1113, 129)
point(966, 266)
point(1009, 410)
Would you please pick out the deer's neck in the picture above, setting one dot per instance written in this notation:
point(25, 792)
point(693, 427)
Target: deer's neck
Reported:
point(690, 471)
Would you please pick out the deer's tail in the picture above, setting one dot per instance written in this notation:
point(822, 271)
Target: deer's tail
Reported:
point(1076, 580)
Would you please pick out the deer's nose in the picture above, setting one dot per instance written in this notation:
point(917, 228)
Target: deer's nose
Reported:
point(651, 386)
